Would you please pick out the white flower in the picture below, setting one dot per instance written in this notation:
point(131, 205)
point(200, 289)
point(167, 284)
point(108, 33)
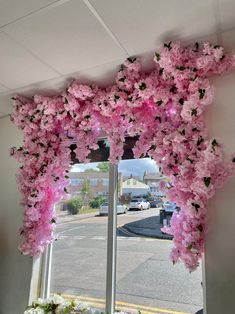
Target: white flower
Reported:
point(57, 299)
point(42, 301)
point(34, 311)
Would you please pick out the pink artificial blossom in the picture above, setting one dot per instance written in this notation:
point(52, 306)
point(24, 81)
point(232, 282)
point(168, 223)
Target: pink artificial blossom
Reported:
point(163, 109)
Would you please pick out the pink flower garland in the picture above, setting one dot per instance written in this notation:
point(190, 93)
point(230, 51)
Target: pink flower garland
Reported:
point(163, 107)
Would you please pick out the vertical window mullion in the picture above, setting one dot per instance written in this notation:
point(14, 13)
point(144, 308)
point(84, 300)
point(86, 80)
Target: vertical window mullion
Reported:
point(46, 272)
point(112, 240)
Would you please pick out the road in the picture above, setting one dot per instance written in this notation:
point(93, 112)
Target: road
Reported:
point(146, 279)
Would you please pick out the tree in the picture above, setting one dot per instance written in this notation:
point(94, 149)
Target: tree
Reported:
point(86, 190)
point(91, 170)
point(103, 166)
point(148, 195)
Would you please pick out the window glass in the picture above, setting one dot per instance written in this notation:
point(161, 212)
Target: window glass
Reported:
point(75, 181)
point(93, 182)
point(146, 279)
point(105, 182)
point(80, 252)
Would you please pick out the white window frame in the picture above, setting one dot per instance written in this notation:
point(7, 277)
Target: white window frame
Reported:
point(41, 275)
point(41, 270)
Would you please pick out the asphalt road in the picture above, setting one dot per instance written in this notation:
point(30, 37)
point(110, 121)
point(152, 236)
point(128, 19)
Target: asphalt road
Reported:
point(146, 279)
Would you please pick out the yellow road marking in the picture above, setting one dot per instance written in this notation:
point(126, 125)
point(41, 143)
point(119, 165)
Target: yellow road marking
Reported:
point(125, 305)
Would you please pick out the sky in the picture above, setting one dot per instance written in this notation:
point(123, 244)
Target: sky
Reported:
point(136, 167)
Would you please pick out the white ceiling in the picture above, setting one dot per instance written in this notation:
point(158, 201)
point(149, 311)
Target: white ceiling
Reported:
point(45, 43)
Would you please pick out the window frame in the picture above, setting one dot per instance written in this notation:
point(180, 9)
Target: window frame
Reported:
point(41, 269)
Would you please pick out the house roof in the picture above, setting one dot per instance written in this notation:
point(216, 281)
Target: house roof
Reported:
point(153, 176)
point(134, 184)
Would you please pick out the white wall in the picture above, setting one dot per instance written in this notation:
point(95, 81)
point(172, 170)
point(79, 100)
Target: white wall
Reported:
point(15, 269)
point(220, 246)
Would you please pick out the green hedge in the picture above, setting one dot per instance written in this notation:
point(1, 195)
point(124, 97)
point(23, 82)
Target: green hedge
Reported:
point(96, 201)
point(73, 205)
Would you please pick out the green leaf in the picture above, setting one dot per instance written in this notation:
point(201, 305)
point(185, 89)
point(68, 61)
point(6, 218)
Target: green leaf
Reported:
point(121, 68)
point(190, 160)
point(142, 86)
point(190, 246)
point(200, 228)
point(66, 191)
point(196, 46)
point(168, 45)
point(158, 118)
point(122, 79)
point(65, 101)
point(214, 144)
point(202, 92)
point(181, 68)
point(159, 102)
point(207, 181)
point(153, 147)
point(158, 56)
point(173, 89)
point(181, 101)
point(200, 140)
point(116, 97)
point(197, 206)
point(194, 112)
point(131, 59)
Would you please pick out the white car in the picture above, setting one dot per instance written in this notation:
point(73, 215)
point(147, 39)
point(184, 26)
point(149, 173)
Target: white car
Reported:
point(139, 204)
point(121, 209)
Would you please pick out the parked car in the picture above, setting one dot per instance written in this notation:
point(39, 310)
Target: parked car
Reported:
point(121, 209)
point(139, 204)
point(167, 210)
point(155, 203)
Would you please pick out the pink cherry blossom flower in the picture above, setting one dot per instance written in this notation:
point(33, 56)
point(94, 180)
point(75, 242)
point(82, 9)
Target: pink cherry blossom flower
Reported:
point(162, 108)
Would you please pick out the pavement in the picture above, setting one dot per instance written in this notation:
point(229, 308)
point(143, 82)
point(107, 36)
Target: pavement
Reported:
point(140, 222)
point(148, 227)
point(146, 279)
point(63, 217)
